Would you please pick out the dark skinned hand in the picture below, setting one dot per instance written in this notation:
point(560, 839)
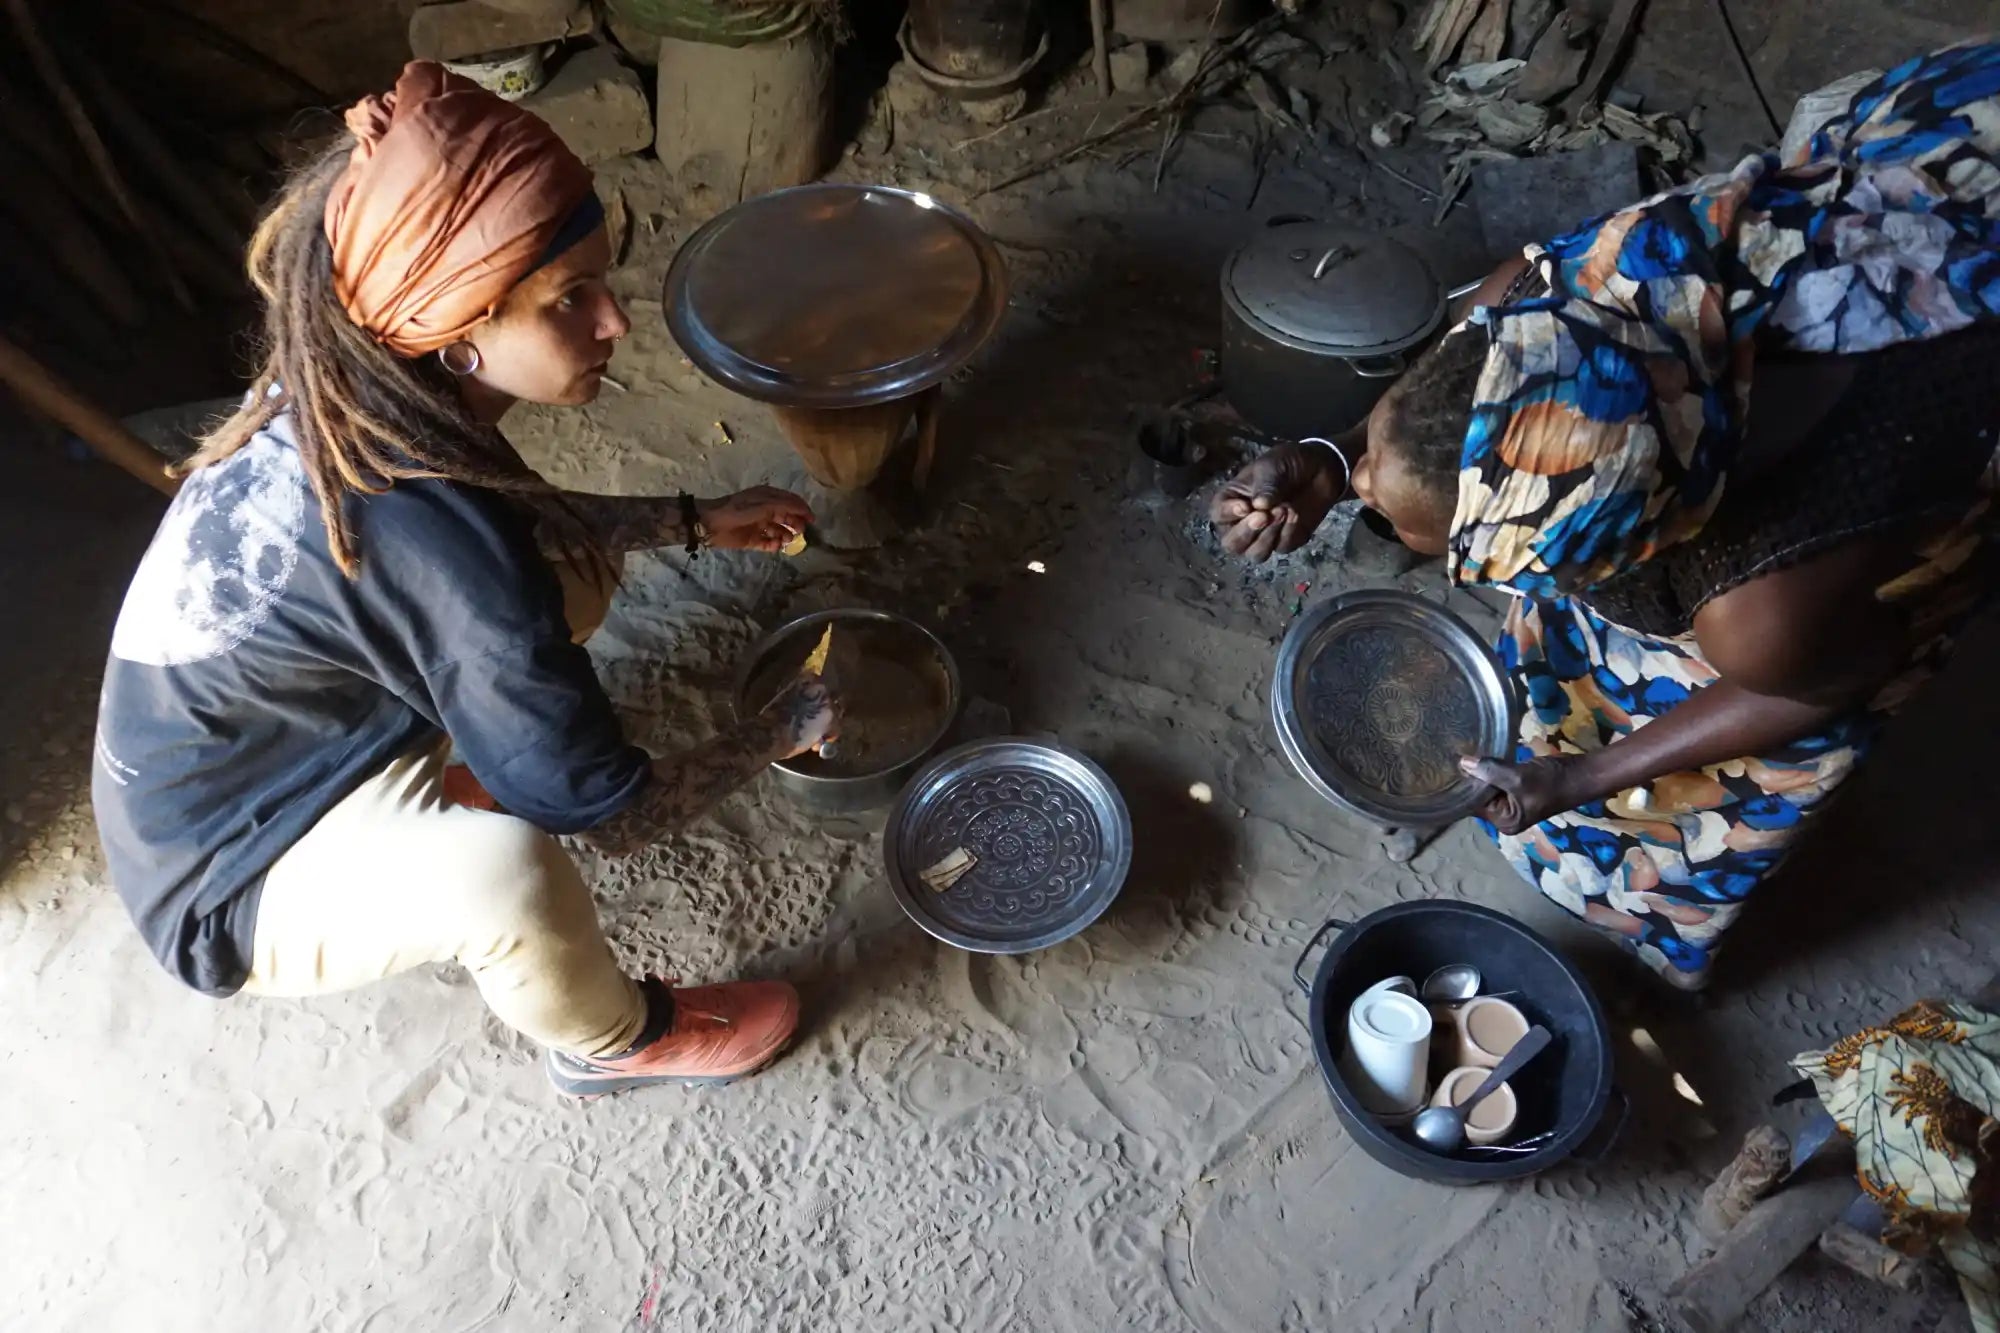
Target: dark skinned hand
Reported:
point(1524, 794)
point(1276, 503)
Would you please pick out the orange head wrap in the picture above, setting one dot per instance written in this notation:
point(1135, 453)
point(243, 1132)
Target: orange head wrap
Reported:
point(451, 197)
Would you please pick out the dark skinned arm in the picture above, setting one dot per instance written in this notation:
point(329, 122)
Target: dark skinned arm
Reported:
point(1275, 504)
point(1793, 649)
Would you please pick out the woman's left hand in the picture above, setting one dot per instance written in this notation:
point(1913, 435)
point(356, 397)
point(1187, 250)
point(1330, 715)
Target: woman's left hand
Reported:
point(762, 518)
point(1525, 794)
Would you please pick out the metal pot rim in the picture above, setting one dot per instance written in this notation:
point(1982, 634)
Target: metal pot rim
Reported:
point(761, 650)
point(1233, 299)
point(970, 89)
point(1410, 1160)
point(863, 386)
point(1482, 669)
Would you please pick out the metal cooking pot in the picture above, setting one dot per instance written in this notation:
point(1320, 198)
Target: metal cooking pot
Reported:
point(1568, 1092)
point(845, 793)
point(1317, 320)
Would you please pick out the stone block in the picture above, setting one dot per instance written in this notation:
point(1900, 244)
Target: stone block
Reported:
point(465, 28)
point(1131, 67)
point(1524, 199)
point(597, 105)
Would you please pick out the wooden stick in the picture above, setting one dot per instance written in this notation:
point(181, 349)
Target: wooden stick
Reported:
point(1764, 1158)
point(44, 61)
point(45, 210)
point(37, 139)
point(1013, 124)
point(41, 290)
point(1100, 47)
point(37, 386)
point(1173, 103)
point(37, 134)
point(1611, 44)
point(218, 40)
point(193, 202)
point(1487, 36)
point(1870, 1258)
point(1713, 1294)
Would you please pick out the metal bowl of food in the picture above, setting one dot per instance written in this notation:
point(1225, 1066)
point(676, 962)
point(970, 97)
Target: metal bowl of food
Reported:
point(899, 691)
point(1378, 695)
point(1008, 845)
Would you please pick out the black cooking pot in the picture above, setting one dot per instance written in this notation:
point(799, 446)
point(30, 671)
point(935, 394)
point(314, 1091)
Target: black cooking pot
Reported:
point(1567, 1089)
point(1317, 319)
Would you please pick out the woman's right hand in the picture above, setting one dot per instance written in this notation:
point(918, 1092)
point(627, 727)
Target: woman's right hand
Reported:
point(805, 717)
point(1276, 503)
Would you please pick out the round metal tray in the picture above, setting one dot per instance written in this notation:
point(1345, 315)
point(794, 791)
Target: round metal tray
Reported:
point(1051, 832)
point(835, 295)
point(1378, 694)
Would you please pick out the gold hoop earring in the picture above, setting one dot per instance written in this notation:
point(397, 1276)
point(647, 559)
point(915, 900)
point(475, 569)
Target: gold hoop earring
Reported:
point(465, 364)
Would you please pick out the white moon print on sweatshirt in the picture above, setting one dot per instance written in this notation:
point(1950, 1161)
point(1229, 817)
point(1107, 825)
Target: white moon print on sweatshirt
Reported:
point(223, 554)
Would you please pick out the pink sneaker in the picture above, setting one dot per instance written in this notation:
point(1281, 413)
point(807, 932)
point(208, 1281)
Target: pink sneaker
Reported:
point(716, 1034)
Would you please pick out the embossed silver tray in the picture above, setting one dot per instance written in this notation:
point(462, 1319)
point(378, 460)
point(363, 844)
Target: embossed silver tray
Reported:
point(1377, 696)
point(1051, 833)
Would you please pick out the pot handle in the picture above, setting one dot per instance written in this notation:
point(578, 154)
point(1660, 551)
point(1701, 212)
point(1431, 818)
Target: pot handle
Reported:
point(1610, 1128)
point(1333, 923)
point(1379, 367)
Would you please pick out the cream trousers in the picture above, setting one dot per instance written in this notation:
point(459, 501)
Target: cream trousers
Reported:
point(397, 876)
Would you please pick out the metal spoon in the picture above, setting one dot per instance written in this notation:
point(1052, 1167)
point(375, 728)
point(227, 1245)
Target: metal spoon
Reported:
point(1451, 984)
point(1442, 1128)
point(1531, 1144)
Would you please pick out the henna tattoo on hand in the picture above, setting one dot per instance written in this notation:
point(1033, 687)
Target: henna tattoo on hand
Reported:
point(688, 785)
point(623, 523)
point(802, 713)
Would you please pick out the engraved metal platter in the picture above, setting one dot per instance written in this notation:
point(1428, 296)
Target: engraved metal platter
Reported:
point(1049, 835)
point(1378, 695)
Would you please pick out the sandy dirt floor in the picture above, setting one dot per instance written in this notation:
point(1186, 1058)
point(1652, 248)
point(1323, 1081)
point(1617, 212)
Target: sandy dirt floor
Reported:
point(1127, 1132)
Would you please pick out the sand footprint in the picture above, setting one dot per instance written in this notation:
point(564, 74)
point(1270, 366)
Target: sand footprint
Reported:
point(1170, 992)
point(943, 1087)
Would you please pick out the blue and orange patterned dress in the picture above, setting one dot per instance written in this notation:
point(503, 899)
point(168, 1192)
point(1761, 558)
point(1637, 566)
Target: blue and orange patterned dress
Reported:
point(1606, 425)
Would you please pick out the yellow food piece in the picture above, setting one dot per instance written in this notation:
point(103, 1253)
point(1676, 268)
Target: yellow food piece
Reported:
point(795, 545)
point(816, 660)
point(952, 868)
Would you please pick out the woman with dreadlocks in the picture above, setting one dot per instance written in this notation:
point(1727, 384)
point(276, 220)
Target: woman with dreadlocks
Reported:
point(360, 577)
point(1702, 665)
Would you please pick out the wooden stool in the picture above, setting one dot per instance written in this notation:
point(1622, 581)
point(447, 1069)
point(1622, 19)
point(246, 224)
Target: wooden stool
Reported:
point(844, 448)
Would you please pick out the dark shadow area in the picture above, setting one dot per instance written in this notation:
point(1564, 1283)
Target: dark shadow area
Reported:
point(1178, 844)
point(70, 533)
point(861, 66)
point(1909, 845)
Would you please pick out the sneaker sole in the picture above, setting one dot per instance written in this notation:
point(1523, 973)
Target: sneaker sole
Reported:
point(591, 1089)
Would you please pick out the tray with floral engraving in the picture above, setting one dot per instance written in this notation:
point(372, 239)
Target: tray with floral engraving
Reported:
point(1378, 695)
point(1008, 845)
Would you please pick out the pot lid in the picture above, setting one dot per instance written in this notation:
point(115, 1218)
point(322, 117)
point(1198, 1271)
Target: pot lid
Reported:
point(1325, 288)
point(835, 295)
point(1379, 693)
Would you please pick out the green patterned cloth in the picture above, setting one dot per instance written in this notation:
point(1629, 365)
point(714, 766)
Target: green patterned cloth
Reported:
point(1920, 1096)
